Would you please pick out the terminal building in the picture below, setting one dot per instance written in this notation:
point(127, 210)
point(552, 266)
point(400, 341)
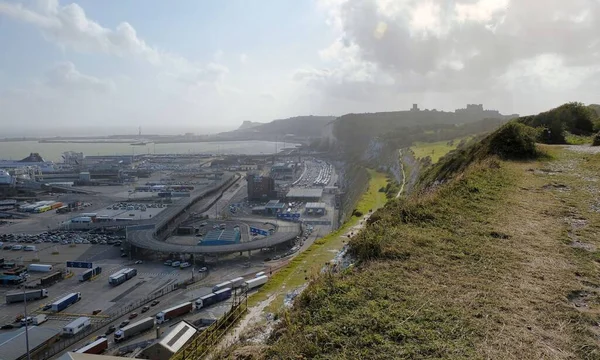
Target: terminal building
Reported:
point(221, 237)
point(304, 195)
point(315, 209)
point(261, 188)
point(283, 171)
point(272, 208)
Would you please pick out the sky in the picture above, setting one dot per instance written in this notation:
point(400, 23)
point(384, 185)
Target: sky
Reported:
point(112, 66)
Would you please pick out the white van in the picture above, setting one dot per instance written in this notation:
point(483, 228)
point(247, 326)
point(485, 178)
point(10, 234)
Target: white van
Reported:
point(30, 248)
point(17, 247)
point(175, 264)
point(185, 265)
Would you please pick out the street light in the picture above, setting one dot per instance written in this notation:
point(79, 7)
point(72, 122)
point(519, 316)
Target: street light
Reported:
point(26, 324)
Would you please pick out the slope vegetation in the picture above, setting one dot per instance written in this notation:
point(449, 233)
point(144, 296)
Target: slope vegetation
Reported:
point(495, 256)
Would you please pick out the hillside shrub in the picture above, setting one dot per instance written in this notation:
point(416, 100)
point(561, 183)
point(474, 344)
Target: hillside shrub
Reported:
point(514, 141)
point(596, 141)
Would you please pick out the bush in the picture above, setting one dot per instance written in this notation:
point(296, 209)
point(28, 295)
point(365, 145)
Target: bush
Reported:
point(357, 213)
point(514, 141)
point(596, 141)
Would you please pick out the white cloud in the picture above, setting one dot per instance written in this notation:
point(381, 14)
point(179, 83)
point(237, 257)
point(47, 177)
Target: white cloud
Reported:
point(65, 76)
point(69, 27)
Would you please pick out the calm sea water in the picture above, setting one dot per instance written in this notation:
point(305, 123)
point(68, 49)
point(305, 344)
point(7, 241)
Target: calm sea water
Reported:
point(53, 151)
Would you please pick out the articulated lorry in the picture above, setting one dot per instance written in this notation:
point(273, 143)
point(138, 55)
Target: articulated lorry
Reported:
point(134, 329)
point(173, 312)
point(65, 302)
point(256, 282)
point(90, 273)
point(96, 347)
point(121, 276)
point(29, 295)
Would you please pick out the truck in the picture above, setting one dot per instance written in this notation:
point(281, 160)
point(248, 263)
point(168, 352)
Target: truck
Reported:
point(90, 273)
point(173, 312)
point(256, 282)
point(121, 276)
point(40, 268)
point(134, 329)
point(35, 320)
point(205, 301)
point(51, 279)
point(222, 294)
point(65, 302)
point(237, 282)
point(223, 285)
point(29, 295)
point(76, 326)
point(95, 347)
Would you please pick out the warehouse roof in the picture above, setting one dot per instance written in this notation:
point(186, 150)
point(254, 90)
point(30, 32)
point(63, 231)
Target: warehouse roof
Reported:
point(177, 337)
point(304, 193)
point(316, 205)
point(12, 344)
point(227, 235)
point(274, 204)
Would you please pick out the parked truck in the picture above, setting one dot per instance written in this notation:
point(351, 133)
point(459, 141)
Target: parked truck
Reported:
point(65, 302)
point(205, 301)
point(121, 276)
point(40, 267)
point(173, 312)
point(76, 326)
point(223, 285)
point(96, 347)
point(34, 320)
point(134, 329)
point(29, 295)
point(237, 282)
point(222, 294)
point(256, 282)
point(51, 279)
point(90, 273)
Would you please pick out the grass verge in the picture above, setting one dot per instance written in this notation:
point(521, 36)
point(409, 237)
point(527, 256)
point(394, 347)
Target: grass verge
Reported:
point(301, 267)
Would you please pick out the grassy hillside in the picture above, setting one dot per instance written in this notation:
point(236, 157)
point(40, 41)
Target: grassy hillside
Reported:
point(299, 126)
point(495, 257)
point(435, 150)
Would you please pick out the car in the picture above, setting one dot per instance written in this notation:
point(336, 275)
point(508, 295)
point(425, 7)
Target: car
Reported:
point(184, 265)
point(7, 327)
point(155, 302)
point(145, 308)
point(202, 269)
point(100, 337)
point(111, 329)
point(176, 264)
point(139, 262)
point(96, 312)
point(47, 307)
point(123, 255)
point(133, 315)
point(123, 323)
point(168, 262)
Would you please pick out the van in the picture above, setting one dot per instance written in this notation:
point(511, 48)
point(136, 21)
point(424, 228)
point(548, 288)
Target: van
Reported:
point(175, 264)
point(30, 248)
point(17, 247)
point(185, 265)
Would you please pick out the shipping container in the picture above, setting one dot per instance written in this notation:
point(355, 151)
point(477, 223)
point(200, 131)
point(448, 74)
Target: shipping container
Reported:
point(77, 326)
point(256, 282)
point(66, 301)
point(29, 295)
point(40, 267)
point(96, 347)
point(121, 276)
point(237, 282)
point(173, 312)
point(90, 273)
point(134, 329)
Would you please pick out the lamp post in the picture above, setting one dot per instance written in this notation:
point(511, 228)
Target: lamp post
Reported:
point(26, 324)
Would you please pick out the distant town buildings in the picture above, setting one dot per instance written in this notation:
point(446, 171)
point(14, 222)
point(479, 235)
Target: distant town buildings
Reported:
point(471, 111)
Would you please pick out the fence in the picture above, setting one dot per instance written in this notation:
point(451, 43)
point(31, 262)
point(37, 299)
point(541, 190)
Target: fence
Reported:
point(63, 344)
point(205, 341)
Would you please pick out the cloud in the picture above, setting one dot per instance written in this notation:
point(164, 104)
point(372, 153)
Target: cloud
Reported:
point(65, 76)
point(465, 45)
point(243, 58)
point(267, 96)
point(68, 26)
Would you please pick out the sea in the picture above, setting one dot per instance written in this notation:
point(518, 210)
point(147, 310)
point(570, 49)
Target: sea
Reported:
point(17, 150)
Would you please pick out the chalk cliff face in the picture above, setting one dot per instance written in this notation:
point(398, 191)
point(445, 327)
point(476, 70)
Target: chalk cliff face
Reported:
point(249, 125)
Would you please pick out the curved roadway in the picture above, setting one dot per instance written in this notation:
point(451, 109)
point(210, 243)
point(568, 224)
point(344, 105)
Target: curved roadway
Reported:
point(147, 236)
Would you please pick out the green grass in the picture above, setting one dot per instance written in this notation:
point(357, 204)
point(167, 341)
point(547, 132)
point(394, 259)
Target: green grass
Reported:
point(435, 150)
point(481, 267)
point(578, 140)
point(309, 262)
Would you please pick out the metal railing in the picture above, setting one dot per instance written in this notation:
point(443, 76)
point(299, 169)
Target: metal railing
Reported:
point(203, 343)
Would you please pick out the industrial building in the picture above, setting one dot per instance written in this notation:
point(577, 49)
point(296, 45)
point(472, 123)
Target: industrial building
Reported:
point(221, 237)
point(273, 207)
point(304, 195)
point(13, 346)
point(283, 171)
point(315, 208)
point(171, 343)
point(261, 188)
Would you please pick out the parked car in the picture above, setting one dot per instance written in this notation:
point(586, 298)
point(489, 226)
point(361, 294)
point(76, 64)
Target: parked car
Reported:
point(202, 269)
point(185, 265)
point(145, 308)
point(155, 302)
point(168, 262)
point(133, 315)
point(96, 312)
point(123, 323)
point(139, 262)
point(176, 264)
point(7, 327)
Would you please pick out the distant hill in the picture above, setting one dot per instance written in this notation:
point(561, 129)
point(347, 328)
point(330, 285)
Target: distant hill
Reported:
point(299, 128)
